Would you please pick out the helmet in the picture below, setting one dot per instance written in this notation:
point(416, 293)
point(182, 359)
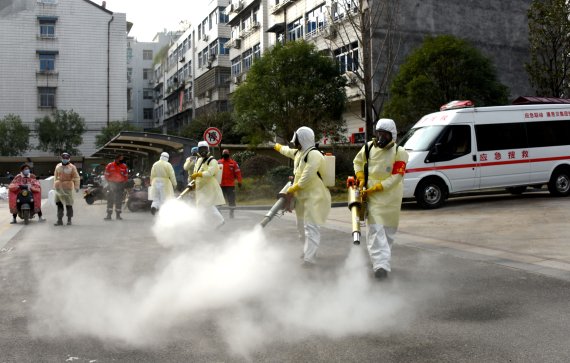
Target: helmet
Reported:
point(387, 124)
point(194, 150)
point(203, 144)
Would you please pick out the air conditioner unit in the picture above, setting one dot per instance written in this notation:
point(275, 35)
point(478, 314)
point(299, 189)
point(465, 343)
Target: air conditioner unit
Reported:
point(351, 78)
point(236, 43)
point(255, 25)
point(205, 37)
point(236, 80)
point(212, 58)
point(208, 94)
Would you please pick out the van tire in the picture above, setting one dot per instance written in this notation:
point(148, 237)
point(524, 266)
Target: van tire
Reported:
point(559, 184)
point(431, 193)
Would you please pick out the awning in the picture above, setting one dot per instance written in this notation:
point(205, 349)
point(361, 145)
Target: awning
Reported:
point(276, 28)
point(136, 143)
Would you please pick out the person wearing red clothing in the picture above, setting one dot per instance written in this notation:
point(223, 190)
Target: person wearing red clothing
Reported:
point(116, 174)
point(25, 178)
point(230, 173)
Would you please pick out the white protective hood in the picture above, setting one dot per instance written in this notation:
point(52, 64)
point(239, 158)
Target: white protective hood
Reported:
point(305, 136)
point(389, 125)
point(164, 156)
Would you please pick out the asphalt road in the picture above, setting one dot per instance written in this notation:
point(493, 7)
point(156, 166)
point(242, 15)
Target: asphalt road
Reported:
point(172, 289)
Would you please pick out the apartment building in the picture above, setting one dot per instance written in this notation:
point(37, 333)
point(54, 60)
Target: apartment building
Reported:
point(63, 54)
point(140, 78)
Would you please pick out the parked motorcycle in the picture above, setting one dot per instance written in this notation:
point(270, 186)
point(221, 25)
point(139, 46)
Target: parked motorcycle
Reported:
point(95, 191)
point(137, 197)
point(25, 203)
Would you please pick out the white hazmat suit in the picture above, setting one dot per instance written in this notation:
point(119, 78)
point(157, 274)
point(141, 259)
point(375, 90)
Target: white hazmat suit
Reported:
point(386, 168)
point(313, 199)
point(163, 181)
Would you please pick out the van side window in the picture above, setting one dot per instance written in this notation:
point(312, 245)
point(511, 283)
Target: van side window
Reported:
point(454, 142)
point(501, 136)
point(550, 133)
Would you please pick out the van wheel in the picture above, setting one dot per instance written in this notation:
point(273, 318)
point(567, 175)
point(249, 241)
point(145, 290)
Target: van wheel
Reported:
point(431, 193)
point(89, 199)
point(516, 190)
point(559, 184)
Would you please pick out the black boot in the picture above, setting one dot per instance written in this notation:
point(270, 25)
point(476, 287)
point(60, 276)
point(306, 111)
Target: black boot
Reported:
point(108, 218)
point(69, 221)
point(118, 216)
point(59, 214)
point(14, 219)
point(69, 210)
point(231, 213)
point(59, 222)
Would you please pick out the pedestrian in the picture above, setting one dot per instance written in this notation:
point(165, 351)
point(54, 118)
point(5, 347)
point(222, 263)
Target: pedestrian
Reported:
point(208, 191)
point(66, 180)
point(379, 167)
point(116, 175)
point(163, 182)
point(190, 162)
point(25, 177)
point(230, 172)
point(313, 199)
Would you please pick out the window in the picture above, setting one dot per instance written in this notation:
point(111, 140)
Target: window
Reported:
point(224, 18)
point(47, 27)
point(454, 142)
point(315, 20)
point(46, 97)
point(148, 113)
point(147, 54)
point(347, 57)
point(339, 8)
point(199, 31)
point(147, 73)
point(501, 136)
point(223, 49)
point(295, 30)
point(129, 74)
point(552, 133)
point(247, 59)
point(47, 62)
point(214, 48)
point(211, 18)
point(256, 51)
point(236, 66)
point(148, 93)
point(235, 31)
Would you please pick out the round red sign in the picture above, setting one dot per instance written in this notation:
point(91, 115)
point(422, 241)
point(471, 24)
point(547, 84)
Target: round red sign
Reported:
point(213, 136)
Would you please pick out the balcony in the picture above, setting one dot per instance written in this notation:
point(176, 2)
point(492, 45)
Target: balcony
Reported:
point(233, 43)
point(277, 8)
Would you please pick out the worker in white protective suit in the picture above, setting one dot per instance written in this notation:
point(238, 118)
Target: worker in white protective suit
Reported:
point(379, 167)
point(208, 191)
point(163, 182)
point(313, 199)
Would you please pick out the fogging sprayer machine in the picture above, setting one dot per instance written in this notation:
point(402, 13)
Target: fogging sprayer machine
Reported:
point(357, 206)
point(285, 203)
point(190, 187)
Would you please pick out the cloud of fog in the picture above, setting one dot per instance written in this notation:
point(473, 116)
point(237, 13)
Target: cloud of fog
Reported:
point(244, 282)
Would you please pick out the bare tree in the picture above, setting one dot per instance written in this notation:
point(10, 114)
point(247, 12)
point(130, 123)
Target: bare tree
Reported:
point(374, 24)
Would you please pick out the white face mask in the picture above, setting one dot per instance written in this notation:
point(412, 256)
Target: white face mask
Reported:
point(26, 172)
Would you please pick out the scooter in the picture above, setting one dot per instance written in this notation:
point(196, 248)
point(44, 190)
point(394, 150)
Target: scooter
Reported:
point(25, 203)
point(137, 197)
point(95, 191)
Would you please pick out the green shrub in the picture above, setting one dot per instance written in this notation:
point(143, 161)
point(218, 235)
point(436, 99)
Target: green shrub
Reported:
point(258, 165)
point(279, 175)
point(241, 156)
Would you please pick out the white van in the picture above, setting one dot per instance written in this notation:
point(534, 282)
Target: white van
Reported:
point(465, 148)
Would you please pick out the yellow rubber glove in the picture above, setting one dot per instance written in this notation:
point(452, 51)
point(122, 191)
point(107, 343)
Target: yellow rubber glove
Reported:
point(360, 178)
point(277, 147)
point(196, 175)
point(375, 188)
point(293, 188)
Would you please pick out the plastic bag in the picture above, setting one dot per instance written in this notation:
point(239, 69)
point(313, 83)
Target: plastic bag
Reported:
point(51, 197)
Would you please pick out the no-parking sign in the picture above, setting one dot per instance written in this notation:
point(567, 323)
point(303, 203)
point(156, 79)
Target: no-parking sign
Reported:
point(213, 136)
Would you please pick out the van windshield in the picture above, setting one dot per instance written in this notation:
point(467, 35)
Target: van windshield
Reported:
point(421, 138)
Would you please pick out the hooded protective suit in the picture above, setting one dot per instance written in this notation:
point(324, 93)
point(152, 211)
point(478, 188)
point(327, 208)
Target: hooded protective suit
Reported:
point(313, 199)
point(208, 191)
point(163, 181)
point(190, 162)
point(386, 168)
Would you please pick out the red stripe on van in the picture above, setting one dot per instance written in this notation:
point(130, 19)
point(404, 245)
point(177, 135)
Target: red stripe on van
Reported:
point(491, 163)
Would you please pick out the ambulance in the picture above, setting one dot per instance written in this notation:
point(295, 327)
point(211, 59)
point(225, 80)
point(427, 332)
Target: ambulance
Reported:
point(465, 148)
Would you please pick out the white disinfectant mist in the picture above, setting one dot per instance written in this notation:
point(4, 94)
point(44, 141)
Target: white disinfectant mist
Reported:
point(242, 282)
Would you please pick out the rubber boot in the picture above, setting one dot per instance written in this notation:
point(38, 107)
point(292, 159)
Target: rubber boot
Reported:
point(231, 213)
point(59, 215)
point(14, 219)
point(108, 218)
point(118, 216)
point(59, 222)
point(69, 209)
point(69, 221)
